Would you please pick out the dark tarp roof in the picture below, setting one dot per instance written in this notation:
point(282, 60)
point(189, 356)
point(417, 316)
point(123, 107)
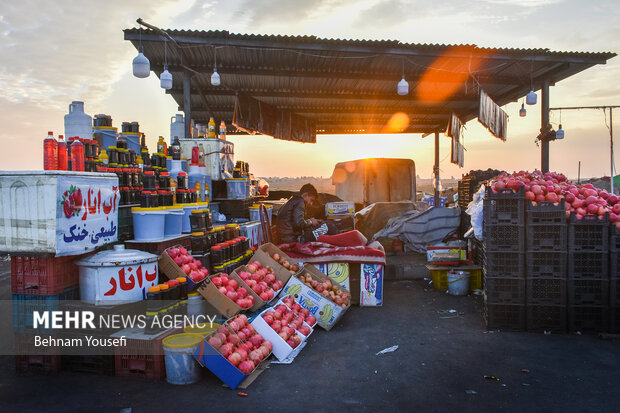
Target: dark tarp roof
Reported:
point(349, 86)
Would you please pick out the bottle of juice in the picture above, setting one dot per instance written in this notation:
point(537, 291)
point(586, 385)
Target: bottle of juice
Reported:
point(103, 157)
point(63, 160)
point(161, 146)
point(195, 155)
point(222, 131)
point(50, 152)
point(77, 155)
point(211, 134)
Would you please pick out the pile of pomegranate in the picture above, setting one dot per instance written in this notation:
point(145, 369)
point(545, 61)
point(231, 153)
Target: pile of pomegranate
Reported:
point(261, 280)
point(327, 289)
point(190, 266)
point(580, 199)
point(293, 268)
point(231, 289)
point(299, 311)
point(240, 344)
point(287, 324)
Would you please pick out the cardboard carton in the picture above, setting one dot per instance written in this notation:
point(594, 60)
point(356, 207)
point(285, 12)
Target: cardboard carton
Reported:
point(209, 357)
point(224, 305)
point(326, 311)
point(173, 271)
point(281, 349)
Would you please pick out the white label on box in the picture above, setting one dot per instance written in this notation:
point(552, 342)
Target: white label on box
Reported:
point(86, 214)
point(371, 285)
point(339, 208)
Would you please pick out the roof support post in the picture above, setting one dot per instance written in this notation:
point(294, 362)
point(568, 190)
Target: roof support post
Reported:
point(187, 103)
point(436, 169)
point(544, 122)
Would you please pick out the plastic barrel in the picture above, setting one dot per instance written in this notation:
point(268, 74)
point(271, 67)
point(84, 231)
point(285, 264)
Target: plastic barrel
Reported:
point(181, 367)
point(148, 223)
point(173, 222)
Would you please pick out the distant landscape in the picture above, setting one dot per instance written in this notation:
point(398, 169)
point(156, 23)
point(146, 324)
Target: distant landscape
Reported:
point(324, 185)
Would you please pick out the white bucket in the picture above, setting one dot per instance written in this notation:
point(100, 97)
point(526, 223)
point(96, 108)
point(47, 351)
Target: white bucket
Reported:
point(458, 282)
point(181, 367)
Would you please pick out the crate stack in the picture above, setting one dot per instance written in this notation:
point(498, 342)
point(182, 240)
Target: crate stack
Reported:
point(614, 280)
point(588, 273)
point(546, 266)
point(39, 284)
point(503, 257)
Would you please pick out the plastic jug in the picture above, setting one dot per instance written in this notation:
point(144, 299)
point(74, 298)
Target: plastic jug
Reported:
point(50, 152)
point(197, 181)
point(78, 123)
point(177, 127)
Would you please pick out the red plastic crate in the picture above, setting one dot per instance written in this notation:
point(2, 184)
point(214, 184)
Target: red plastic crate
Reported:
point(31, 358)
point(142, 358)
point(42, 276)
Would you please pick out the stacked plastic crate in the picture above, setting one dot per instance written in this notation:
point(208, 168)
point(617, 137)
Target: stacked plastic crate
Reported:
point(588, 273)
point(39, 284)
point(504, 260)
point(546, 266)
point(614, 280)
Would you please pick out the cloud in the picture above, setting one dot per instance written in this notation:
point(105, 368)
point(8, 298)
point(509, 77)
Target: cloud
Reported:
point(54, 52)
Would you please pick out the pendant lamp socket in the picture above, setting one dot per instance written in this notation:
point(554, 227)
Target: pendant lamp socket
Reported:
point(141, 65)
point(403, 87)
point(165, 79)
point(531, 97)
point(522, 111)
point(559, 134)
point(215, 78)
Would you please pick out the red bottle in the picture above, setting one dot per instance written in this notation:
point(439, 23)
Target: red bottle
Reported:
point(63, 160)
point(50, 152)
point(195, 155)
point(77, 155)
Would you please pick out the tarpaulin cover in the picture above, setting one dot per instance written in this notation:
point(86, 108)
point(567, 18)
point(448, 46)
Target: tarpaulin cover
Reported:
point(375, 216)
point(419, 229)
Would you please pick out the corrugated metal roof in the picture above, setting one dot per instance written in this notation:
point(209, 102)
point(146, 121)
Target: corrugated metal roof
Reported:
point(349, 84)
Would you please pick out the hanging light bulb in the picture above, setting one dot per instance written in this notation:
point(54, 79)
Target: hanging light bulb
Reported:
point(559, 134)
point(141, 65)
point(403, 86)
point(522, 111)
point(165, 79)
point(215, 77)
point(531, 97)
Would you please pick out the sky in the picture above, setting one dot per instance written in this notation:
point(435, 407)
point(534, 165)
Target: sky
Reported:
point(52, 53)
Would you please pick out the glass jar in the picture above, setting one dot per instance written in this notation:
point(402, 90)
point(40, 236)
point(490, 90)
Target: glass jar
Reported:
point(216, 257)
point(182, 180)
point(198, 243)
point(149, 199)
point(149, 180)
point(245, 244)
point(197, 220)
point(164, 180)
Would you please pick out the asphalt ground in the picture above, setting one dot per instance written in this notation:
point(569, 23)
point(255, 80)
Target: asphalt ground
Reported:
point(440, 366)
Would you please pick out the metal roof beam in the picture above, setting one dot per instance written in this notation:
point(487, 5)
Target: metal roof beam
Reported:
point(386, 75)
point(384, 48)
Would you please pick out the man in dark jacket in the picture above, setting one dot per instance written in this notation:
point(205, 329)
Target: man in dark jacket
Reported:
point(291, 217)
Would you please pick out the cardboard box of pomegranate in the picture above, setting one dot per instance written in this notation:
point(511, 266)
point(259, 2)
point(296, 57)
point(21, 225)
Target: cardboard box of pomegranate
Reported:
point(264, 283)
point(216, 352)
point(222, 303)
point(325, 310)
point(337, 271)
point(169, 262)
point(281, 349)
point(265, 253)
point(304, 329)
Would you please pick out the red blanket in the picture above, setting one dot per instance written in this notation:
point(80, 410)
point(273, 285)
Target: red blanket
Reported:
point(346, 247)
